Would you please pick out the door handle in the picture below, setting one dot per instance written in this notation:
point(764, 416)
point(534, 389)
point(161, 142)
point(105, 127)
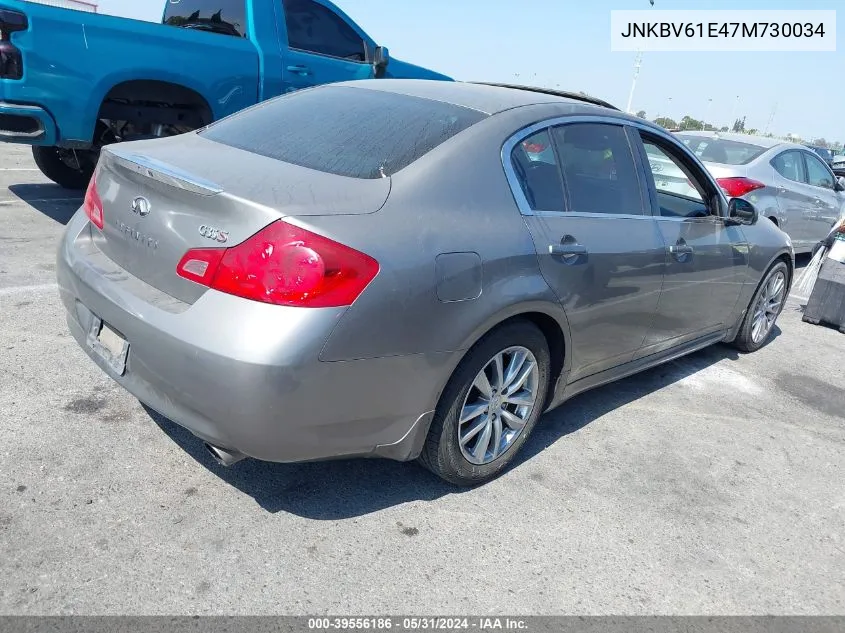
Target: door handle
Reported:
point(681, 251)
point(567, 249)
point(300, 70)
point(819, 202)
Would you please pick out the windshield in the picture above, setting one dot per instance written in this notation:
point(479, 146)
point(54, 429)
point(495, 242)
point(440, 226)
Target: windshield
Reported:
point(345, 131)
point(716, 150)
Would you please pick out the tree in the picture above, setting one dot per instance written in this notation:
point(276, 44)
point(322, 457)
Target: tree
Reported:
point(666, 122)
point(688, 123)
point(723, 129)
point(820, 142)
point(837, 146)
point(739, 125)
point(753, 131)
point(641, 114)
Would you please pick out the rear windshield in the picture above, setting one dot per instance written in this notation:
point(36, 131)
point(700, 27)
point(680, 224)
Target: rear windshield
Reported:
point(345, 131)
point(714, 150)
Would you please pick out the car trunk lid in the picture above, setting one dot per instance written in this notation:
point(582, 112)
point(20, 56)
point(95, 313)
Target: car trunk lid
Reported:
point(162, 198)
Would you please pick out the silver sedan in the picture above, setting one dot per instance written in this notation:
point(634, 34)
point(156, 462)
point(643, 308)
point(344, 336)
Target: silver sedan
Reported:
point(406, 269)
point(788, 183)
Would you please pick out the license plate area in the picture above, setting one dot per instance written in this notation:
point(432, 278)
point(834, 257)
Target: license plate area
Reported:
point(108, 345)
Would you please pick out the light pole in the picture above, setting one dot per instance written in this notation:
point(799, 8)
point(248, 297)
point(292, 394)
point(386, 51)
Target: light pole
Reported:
point(707, 113)
point(638, 62)
point(733, 115)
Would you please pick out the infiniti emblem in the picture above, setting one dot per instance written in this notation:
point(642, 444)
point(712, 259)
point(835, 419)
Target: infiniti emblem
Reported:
point(141, 206)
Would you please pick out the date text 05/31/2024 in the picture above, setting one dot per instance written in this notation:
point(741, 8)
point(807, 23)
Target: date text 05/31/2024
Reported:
point(722, 29)
point(417, 624)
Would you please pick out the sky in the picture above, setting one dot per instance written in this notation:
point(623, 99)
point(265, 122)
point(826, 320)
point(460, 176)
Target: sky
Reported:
point(565, 44)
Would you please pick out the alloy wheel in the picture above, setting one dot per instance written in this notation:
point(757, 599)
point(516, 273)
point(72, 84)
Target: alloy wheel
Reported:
point(768, 306)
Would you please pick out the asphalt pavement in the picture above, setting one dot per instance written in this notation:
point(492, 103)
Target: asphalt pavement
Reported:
point(711, 485)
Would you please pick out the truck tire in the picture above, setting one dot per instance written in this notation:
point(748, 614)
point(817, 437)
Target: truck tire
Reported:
point(51, 163)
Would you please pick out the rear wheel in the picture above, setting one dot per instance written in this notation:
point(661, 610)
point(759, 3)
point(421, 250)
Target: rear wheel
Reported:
point(764, 309)
point(490, 405)
point(71, 169)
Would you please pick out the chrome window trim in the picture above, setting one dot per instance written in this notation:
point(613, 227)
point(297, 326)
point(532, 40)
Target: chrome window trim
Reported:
point(610, 119)
point(519, 136)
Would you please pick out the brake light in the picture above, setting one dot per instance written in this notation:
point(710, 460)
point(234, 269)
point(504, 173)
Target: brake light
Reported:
point(11, 61)
point(284, 265)
point(738, 187)
point(93, 205)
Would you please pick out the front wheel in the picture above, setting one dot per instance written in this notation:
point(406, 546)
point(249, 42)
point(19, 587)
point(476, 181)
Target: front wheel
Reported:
point(71, 169)
point(490, 405)
point(765, 308)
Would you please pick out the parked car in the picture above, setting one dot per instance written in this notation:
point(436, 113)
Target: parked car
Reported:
point(838, 166)
point(71, 82)
point(825, 153)
point(380, 269)
point(787, 182)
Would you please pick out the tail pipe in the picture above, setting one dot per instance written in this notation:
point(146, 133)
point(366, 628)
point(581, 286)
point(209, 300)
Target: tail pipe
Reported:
point(223, 456)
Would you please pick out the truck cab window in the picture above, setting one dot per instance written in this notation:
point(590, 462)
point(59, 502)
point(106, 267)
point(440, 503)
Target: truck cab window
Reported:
point(316, 29)
point(227, 17)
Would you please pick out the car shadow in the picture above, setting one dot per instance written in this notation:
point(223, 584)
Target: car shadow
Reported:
point(55, 202)
point(333, 490)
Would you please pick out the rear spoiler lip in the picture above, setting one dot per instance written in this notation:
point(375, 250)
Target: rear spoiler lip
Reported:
point(160, 171)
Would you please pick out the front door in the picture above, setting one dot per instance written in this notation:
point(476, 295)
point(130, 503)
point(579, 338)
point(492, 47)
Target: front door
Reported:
point(322, 47)
point(794, 197)
point(598, 245)
point(706, 260)
point(826, 201)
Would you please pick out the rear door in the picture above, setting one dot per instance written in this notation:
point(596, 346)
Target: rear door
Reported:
point(705, 260)
point(599, 250)
point(323, 46)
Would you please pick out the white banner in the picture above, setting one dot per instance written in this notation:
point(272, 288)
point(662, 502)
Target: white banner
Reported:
point(750, 30)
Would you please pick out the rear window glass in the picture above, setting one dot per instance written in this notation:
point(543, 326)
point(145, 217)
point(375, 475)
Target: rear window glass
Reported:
point(714, 150)
point(224, 16)
point(345, 131)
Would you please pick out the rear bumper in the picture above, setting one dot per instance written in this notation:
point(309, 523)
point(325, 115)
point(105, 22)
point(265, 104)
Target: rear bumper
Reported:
point(27, 124)
point(245, 376)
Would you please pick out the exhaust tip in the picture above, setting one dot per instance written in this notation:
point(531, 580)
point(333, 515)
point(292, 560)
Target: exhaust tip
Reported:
point(223, 456)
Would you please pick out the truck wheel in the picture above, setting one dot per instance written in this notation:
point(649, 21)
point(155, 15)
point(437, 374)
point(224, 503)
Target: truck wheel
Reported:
point(67, 168)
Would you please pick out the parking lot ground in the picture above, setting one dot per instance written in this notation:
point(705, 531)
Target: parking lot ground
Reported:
point(713, 484)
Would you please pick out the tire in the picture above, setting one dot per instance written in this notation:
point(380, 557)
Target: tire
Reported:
point(748, 339)
point(49, 161)
point(443, 454)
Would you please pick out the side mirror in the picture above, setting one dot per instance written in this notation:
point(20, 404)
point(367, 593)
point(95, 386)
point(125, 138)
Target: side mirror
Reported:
point(840, 184)
point(381, 58)
point(742, 212)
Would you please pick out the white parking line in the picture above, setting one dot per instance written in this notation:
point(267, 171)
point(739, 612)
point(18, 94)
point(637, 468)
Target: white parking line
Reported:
point(19, 169)
point(7, 202)
point(22, 290)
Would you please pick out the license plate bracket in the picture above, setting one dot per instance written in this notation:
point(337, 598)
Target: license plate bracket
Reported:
point(108, 345)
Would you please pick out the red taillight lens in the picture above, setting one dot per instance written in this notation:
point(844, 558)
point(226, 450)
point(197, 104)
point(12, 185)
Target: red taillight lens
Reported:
point(738, 187)
point(93, 205)
point(284, 265)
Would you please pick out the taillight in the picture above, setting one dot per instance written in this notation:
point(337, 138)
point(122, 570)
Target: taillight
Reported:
point(11, 62)
point(283, 265)
point(738, 187)
point(92, 205)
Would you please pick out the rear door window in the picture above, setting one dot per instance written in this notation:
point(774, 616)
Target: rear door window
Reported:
point(227, 17)
point(598, 168)
point(314, 28)
point(790, 166)
point(346, 131)
point(536, 168)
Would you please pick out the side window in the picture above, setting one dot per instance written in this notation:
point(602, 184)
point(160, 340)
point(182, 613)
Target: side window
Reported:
point(598, 169)
point(535, 165)
point(316, 29)
point(679, 193)
point(228, 16)
point(818, 174)
point(790, 166)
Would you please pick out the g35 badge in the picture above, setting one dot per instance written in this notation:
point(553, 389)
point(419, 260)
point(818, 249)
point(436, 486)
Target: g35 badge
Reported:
point(214, 234)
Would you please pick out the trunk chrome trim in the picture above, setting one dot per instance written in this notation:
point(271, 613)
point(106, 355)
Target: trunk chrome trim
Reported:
point(160, 171)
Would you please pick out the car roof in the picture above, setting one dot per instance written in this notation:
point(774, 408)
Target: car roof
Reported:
point(759, 141)
point(487, 98)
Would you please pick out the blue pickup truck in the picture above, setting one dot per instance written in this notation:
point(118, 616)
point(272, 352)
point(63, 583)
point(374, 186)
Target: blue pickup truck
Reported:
point(71, 82)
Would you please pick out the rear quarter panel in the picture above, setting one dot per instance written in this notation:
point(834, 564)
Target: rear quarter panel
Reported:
point(72, 59)
point(455, 199)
